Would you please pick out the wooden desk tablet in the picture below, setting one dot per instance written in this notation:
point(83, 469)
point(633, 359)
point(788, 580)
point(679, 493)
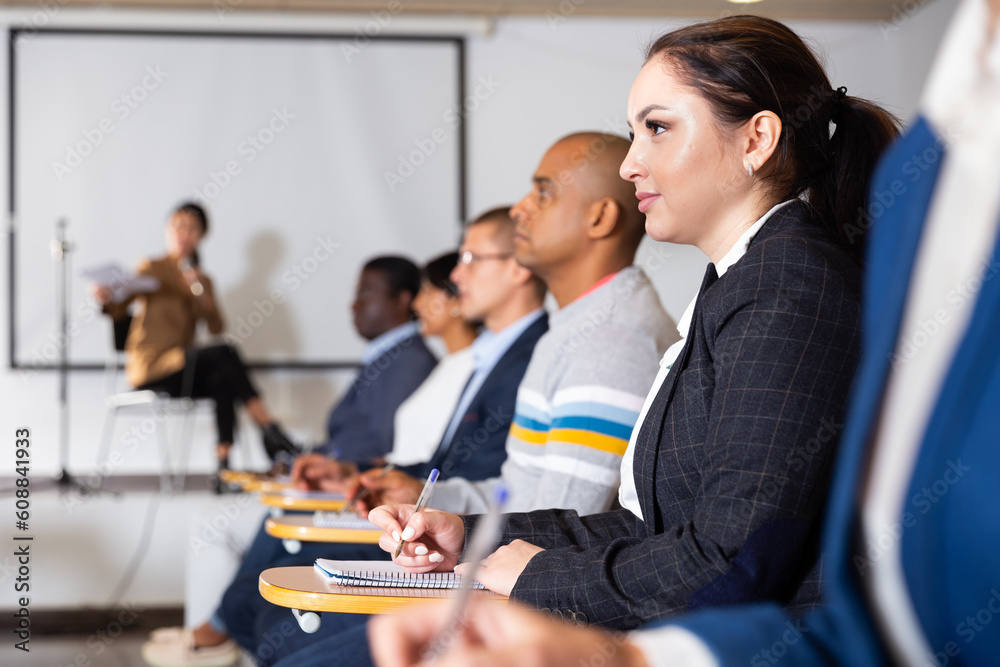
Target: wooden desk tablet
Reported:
point(303, 501)
point(301, 589)
point(301, 527)
point(253, 481)
point(268, 486)
point(237, 477)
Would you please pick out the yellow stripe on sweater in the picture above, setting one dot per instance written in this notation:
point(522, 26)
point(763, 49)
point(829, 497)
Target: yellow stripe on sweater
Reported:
point(529, 436)
point(604, 443)
point(598, 441)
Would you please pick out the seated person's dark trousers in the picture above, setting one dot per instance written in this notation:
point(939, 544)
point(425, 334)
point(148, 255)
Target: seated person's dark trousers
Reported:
point(215, 372)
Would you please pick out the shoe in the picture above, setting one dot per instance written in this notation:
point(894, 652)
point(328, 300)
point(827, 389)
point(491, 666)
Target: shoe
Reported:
point(276, 442)
point(215, 484)
point(169, 647)
point(166, 634)
point(219, 487)
point(281, 464)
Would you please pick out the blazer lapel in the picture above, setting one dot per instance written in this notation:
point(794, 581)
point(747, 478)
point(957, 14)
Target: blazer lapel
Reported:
point(530, 336)
point(444, 447)
point(651, 430)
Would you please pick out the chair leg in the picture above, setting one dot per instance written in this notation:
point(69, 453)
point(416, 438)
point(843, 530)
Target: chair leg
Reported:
point(309, 621)
point(184, 450)
point(161, 436)
point(107, 435)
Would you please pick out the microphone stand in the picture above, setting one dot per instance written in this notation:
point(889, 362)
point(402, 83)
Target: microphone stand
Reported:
point(61, 250)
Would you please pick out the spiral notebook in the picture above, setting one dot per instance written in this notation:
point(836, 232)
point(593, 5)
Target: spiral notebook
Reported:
point(383, 574)
point(347, 521)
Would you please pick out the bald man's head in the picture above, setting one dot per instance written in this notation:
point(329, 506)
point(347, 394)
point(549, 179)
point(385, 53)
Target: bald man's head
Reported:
point(596, 160)
point(579, 208)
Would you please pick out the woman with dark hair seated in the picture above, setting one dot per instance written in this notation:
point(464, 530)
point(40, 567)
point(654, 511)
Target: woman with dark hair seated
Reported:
point(912, 540)
point(727, 471)
point(422, 418)
point(743, 149)
point(160, 354)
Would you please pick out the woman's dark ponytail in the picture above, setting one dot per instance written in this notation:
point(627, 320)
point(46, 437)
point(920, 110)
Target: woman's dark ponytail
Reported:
point(862, 130)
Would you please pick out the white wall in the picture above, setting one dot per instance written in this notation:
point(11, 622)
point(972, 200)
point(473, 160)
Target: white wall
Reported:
point(561, 76)
point(537, 80)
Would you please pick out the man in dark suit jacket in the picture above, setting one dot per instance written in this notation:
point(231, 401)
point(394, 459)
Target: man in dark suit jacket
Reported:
point(394, 363)
point(476, 450)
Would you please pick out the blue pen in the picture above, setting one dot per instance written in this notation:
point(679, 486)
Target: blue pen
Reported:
point(425, 495)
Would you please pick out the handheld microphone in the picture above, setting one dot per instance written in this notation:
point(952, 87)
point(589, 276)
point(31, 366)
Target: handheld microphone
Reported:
point(196, 287)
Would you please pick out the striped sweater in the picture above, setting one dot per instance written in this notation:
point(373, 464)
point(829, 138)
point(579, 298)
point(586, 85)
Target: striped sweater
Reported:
point(577, 403)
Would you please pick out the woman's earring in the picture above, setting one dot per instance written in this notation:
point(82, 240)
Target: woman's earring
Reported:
point(750, 170)
point(456, 311)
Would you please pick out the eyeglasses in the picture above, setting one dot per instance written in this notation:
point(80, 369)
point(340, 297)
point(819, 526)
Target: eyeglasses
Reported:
point(468, 257)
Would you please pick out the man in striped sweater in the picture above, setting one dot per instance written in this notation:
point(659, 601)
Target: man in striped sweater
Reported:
point(589, 375)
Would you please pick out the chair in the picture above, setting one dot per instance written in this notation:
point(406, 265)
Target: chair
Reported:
point(160, 405)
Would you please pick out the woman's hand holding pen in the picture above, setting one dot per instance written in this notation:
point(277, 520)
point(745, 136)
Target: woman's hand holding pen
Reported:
point(434, 540)
point(500, 570)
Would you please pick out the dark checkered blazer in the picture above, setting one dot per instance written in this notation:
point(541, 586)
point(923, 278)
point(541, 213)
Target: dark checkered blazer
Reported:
point(732, 462)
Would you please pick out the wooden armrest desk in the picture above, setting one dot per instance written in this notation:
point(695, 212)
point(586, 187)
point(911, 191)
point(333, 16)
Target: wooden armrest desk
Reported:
point(301, 589)
point(300, 527)
point(298, 501)
point(253, 481)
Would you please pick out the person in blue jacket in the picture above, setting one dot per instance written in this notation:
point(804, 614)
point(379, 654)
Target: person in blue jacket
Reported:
point(912, 540)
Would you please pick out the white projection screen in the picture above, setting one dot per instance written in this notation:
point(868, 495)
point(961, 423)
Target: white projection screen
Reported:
point(310, 154)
